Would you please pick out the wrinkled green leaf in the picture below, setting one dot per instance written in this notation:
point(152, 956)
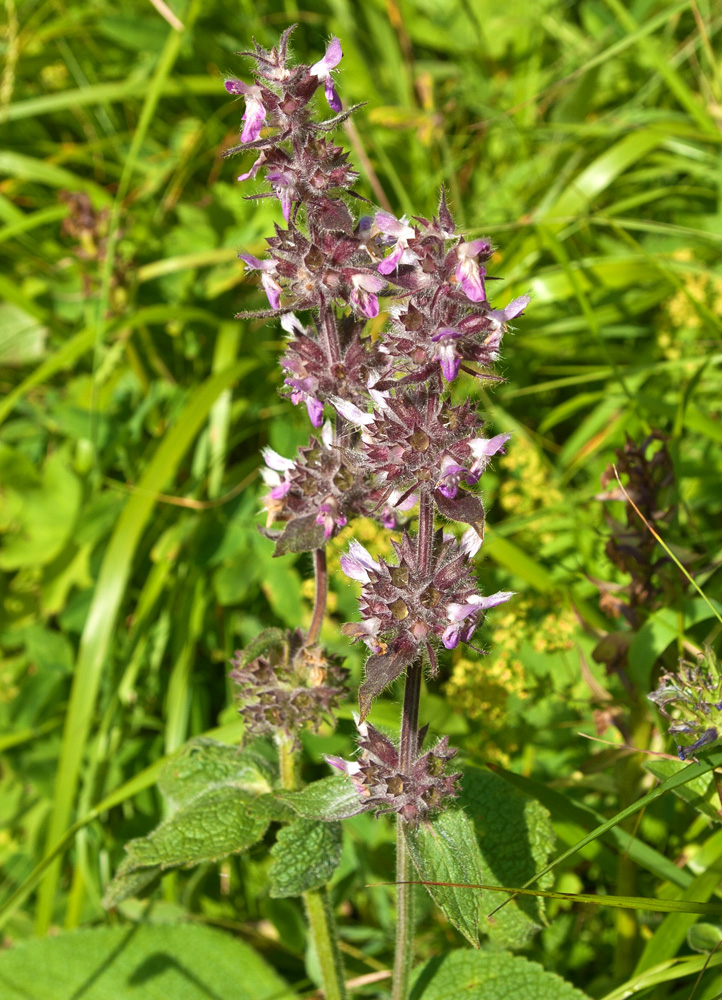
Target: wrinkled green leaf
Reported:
point(220, 822)
point(302, 534)
point(476, 975)
point(329, 799)
point(516, 839)
point(203, 764)
point(305, 856)
point(445, 850)
point(145, 962)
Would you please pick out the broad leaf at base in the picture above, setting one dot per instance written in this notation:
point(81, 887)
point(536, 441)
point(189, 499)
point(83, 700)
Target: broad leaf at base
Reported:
point(445, 850)
point(483, 975)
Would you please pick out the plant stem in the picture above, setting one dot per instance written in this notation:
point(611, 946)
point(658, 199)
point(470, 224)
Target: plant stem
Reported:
point(319, 607)
point(408, 752)
point(321, 922)
point(425, 537)
point(404, 951)
point(287, 759)
point(329, 332)
point(322, 926)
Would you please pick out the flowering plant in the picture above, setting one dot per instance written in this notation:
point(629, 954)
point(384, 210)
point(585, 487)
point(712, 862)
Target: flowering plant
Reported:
point(386, 440)
point(388, 436)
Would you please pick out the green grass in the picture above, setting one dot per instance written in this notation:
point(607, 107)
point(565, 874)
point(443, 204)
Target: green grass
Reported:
point(585, 140)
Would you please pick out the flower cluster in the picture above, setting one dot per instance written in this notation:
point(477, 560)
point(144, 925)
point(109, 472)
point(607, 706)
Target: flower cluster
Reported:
point(384, 785)
point(691, 699)
point(396, 440)
point(285, 685)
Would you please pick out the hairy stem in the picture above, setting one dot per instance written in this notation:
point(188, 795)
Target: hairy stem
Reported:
point(404, 950)
point(323, 931)
point(322, 925)
point(425, 537)
point(408, 752)
point(319, 607)
point(329, 332)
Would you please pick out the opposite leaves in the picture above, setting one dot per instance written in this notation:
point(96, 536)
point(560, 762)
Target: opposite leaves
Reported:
point(213, 793)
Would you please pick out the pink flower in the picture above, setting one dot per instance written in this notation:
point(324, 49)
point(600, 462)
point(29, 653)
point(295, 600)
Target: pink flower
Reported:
point(483, 449)
point(358, 563)
point(515, 308)
point(284, 188)
point(362, 297)
point(445, 341)
point(322, 69)
point(465, 617)
point(402, 233)
point(276, 464)
point(468, 272)
point(255, 113)
point(267, 268)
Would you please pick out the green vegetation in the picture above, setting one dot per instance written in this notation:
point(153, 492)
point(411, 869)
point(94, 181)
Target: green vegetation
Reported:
point(585, 138)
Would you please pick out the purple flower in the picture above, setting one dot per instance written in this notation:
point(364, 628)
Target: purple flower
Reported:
point(255, 113)
point(284, 188)
point(267, 268)
point(388, 513)
point(483, 449)
point(255, 168)
point(292, 324)
point(362, 297)
point(358, 563)
point(349, 411)
point(276, 464)
point(470, 542)
point(464, 618)
point(515, 308)
point(468, 272)
point(446, 352)
point(304, 390)
point(384, 785)
point(452, 474)
point(322, 70)
point(330, 517)
point(402, 233)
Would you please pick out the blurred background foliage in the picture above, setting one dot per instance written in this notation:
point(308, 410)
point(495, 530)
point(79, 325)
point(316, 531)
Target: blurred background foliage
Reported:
point(584, 138)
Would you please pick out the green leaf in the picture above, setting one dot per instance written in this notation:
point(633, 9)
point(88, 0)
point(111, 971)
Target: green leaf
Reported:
point(484, 975)
point(145, 962)
point(305, 857)
point(23, 337)
point(203, 764)
point(704, 937)
point(220, 822)
point(445, 850)
point(700, 793)
point(573, 818)
point(302, 534)
point(268, 639)
point(516, 838)
point(44, 517)
point(329, 799)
